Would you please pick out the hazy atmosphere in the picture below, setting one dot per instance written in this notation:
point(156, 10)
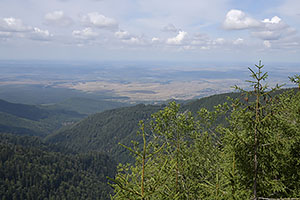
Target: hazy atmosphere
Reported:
point(149, 99)
point(191, 30)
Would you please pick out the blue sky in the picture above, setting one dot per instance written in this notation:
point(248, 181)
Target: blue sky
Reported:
point(177, 30)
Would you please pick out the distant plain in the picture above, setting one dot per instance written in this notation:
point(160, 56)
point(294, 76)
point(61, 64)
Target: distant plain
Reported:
point(43, 82)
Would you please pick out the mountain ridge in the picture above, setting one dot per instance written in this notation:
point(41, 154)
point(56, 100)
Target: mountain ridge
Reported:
point(26, 119)
point(104, 131)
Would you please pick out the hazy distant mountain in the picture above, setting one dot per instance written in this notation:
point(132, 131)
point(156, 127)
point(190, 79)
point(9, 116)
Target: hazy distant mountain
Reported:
point(87, 105)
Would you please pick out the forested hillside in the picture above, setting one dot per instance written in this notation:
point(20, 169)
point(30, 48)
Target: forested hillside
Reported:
point(69, 164)
point(254, 156)
point(104, 131)
point(25, 119)
point(24, 111)
point(30, 169)
point(241, 145)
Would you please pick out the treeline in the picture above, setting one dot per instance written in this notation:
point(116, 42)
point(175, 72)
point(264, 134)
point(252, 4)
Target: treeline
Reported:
point(254, 153)
point(29, 169)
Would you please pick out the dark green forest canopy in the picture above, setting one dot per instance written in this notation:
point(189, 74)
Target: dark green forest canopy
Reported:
point(22, 119)
point(30, 169)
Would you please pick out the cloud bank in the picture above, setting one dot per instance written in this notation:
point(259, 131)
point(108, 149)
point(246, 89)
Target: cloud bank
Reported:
point(99, 21)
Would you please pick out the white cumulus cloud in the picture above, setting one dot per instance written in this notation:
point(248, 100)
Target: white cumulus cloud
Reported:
point(38, 34)
point(155, 40)
point(274, 24)
point(178, 39)
point(128, 38)
point(218, 41)
point(124, 35)
point(267, 29)
point(237, 19)
point(133, 40)
point(238, 41)
point(58, 18)
point(267, 44)
point(99, 21)
point(13, 25)
point(274, 20)
point(85, 34)
point(273, 29)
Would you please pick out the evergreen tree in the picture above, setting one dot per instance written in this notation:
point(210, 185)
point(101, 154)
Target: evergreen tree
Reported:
point(179, 162)
point(257, 142)
point(256, 154)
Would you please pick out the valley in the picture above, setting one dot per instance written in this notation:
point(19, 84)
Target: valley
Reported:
point(149, 100)
point(62, 126)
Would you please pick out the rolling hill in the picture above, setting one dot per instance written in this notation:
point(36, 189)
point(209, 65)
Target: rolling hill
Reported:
point(86, 105)
point(25, 119)
point(103, 131)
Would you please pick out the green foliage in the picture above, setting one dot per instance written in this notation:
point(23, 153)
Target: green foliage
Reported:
point(252, 133)
point(179, 153)
point(186, 156)
point(180, 162)
point(29, 169)
point(258, 144)
point(296, 79)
